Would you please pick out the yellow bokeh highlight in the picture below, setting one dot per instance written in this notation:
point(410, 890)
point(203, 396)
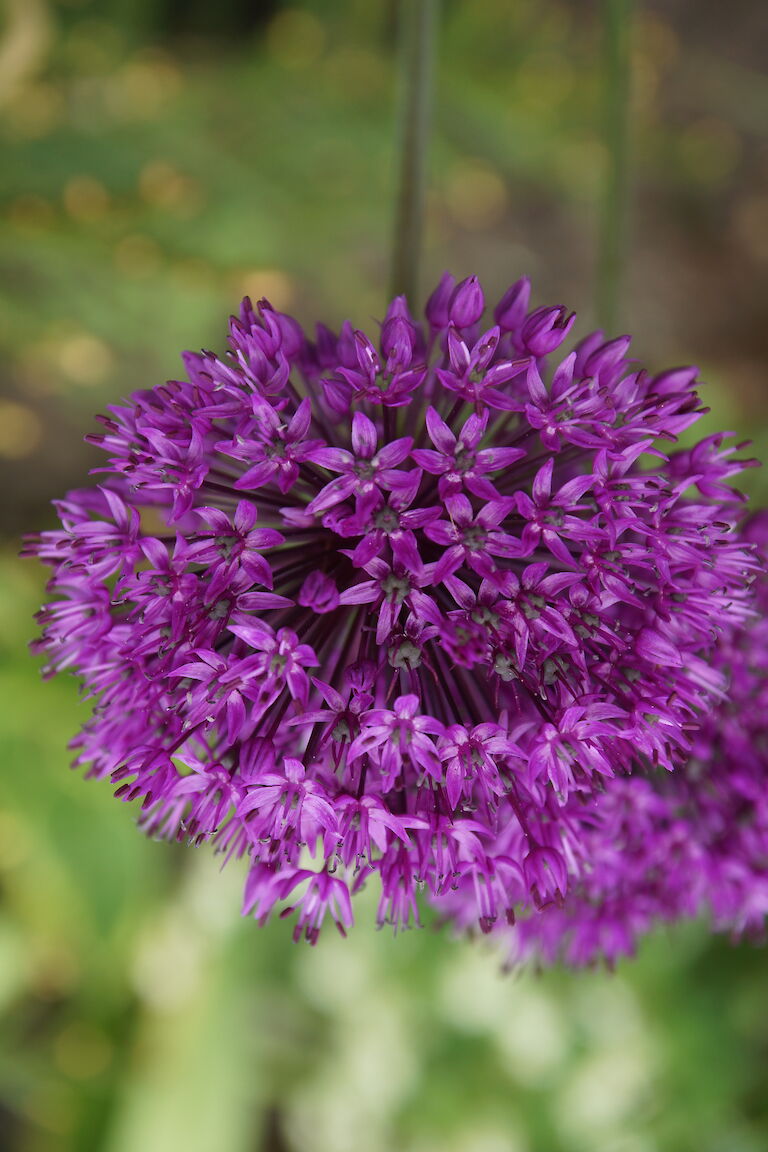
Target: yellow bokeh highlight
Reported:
point(84, 358)
point(164, 186)
point(543, 83)
point(86, 199)
point(20, 433)
point(81, 1051)
point(92, 46)
point(26, 32)
point(476, 195)
point(51, 1106)
point(295, 38)
point(142, 87)
point(35, 110)
point(54, 969)
point(31, 211)
point(270, 283)
point(357, 69)
point(137, 255)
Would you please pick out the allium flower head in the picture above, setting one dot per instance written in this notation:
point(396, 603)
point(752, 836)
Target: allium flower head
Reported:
point(402, 603)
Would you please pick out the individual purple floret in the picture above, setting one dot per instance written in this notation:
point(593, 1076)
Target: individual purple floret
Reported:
point(430, 607)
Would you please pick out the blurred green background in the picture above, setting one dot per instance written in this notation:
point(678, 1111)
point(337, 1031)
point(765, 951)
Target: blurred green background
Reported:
point(159, 159)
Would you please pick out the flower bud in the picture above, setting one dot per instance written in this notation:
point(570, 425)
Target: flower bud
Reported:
point(545, 329)
point(319, 593)
point(436, 310)
point(467, 303)
point(511, 309)
point(607, 356)
point(347, 346)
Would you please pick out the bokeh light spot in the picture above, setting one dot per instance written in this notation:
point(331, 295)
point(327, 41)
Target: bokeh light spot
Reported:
point(35, 111)
point(271, 283)
point(476, 195)
point(142, 87)
point(354, 68)
point(51, 1106)
point(20, 432)
point(84, 358)
point(54, 970)
point(543, 82)
point(295, 38)
point(164, 186)
point(31, 211)
point(82, 1051)
point(137, 255)
point(85, 198)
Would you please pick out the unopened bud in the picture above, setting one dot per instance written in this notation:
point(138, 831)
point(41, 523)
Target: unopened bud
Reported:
point(467, 303)
point(511, 310)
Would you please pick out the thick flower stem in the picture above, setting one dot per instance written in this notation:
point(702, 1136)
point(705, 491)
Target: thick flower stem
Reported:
point(417, 20)
point(616, 73)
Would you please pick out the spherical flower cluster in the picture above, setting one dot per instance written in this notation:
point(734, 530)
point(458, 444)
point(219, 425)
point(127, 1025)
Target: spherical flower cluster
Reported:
point(415, 607)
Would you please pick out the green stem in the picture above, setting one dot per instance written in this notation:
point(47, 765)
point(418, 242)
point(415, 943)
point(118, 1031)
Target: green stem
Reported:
point(416, 33)
point(616, 73)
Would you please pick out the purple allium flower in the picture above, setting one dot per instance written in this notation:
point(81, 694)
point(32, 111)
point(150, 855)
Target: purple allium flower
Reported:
point(427, 607)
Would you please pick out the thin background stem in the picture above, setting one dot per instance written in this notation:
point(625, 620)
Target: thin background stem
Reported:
point(616, 19)
point(416, 34)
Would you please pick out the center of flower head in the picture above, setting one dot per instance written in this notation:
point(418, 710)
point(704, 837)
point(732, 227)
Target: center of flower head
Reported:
point(395, 588)
point(405, 654)
point(463, 460)
point(365, 469)
point(417, 621)
point(475, 537)
point(341, 731)
point(387, 520)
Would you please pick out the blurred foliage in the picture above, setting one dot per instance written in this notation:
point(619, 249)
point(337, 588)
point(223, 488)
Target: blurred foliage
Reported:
point(159, 160)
